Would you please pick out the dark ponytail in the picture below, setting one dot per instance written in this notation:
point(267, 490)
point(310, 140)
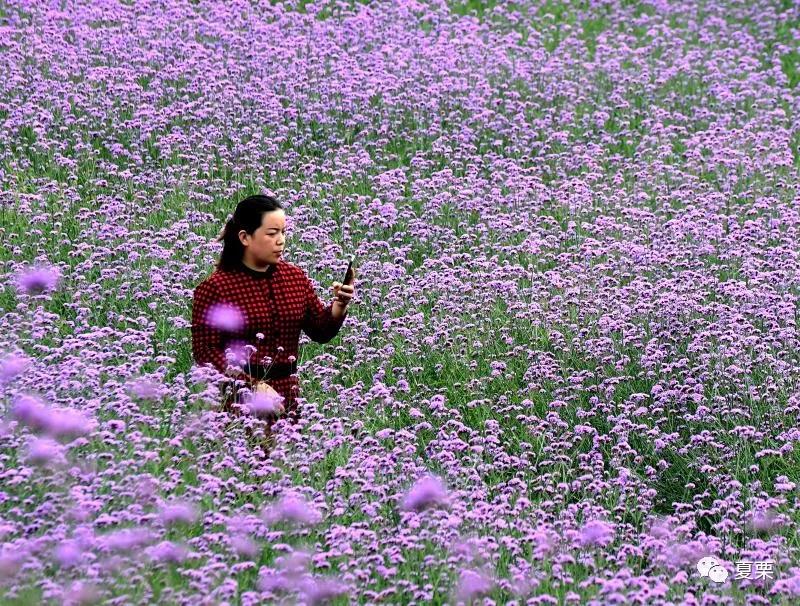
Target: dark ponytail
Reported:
point(247, 216)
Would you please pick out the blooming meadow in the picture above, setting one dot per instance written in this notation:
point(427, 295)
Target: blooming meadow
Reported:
point(570, 371)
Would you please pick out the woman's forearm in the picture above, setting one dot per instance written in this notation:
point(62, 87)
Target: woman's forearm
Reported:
point(338, 310)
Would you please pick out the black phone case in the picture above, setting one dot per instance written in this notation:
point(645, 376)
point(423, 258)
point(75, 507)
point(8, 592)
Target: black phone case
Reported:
point(348, 275)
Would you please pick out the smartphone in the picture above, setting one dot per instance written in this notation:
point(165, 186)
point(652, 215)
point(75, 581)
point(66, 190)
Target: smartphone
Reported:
point(349, 274)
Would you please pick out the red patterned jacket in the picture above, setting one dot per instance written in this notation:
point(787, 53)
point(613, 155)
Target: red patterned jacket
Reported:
point(277, 304)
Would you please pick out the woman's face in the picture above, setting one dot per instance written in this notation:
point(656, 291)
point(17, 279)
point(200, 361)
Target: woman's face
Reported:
point(267, 242)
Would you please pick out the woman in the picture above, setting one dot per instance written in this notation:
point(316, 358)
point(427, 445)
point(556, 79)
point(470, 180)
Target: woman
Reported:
point(254, 305)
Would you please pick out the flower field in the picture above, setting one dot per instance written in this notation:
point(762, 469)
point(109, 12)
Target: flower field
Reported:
point(570, 370)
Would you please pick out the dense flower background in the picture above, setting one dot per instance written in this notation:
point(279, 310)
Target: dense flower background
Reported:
point(571, 368)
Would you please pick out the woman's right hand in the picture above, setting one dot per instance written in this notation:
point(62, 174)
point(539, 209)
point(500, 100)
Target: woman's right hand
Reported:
point(264, 387)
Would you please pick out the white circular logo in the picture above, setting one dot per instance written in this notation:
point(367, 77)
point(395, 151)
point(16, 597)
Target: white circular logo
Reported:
point(706, 564)
point(712, 568)
point(718, 574)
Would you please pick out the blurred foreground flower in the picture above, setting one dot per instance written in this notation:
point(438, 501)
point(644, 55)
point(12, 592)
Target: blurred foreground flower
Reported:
point(244, 546)
point(167, 551)
point(178, 512)
point(57, 423)
point(126, 539)
point(144, 388)
point(10, 562)
point(596, 532)
point(44, 452)
point(290, 569)
point(11, 366)
point(292, 508)
point(225, 316)
point(545, 540)
point(471, 584)
point(30, 411)
point(428, 491)
point(38, 279)
point(236, 354)
point(291, 574)
point(262, 404)
point(68, 424)
point(81, 593)
point(764, 521)
point(319, 590)
point(68, 553)
point(679, 554)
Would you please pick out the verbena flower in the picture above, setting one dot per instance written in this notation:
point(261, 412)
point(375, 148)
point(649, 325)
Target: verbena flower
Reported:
point(292, 508)
point(225, 316)
point(145, 389)
point(81, 593)
point(12, 366)
point(38, 280)
point(44, 452)
point(30, 411)
point(67, 423)
point(596, 532)
point(178, 512)
point(319, 590)
point(471, 584)
point(169, 552)
point(244, 546)
point(58, 423)
point(68, 553)
point(126, 539)
point(428, 491)
point(262, 404)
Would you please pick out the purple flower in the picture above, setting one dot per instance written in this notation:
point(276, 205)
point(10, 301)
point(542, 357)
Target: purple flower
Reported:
point(145, 389)
point(596, 532)
point(545, 540)
point(167, 551)
point(764, 521)
point(68, 553)
point(67, 423)
point(81, 593)
point(12, 366)
point(44, 451)
point(127, 539)
point(294, 563)
point(261, 404)
point(660, 529)
point(38, 279)
point(272, 582)
point(178, 512)
point(294, 509)
point(58, 423)
point(291, 569)
point(30, 411)
point(244, 546)
point(790, 585)
point(471, 584)
point(11, 562)
point(320, 590)
point(225, 316)
point(682, 554)
point(427, 492)
point(236, 354)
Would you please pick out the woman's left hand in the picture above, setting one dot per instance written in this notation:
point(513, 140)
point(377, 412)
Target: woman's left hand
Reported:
point(343, 293)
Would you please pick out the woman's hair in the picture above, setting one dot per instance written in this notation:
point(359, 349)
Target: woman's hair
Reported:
point(247, 216)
